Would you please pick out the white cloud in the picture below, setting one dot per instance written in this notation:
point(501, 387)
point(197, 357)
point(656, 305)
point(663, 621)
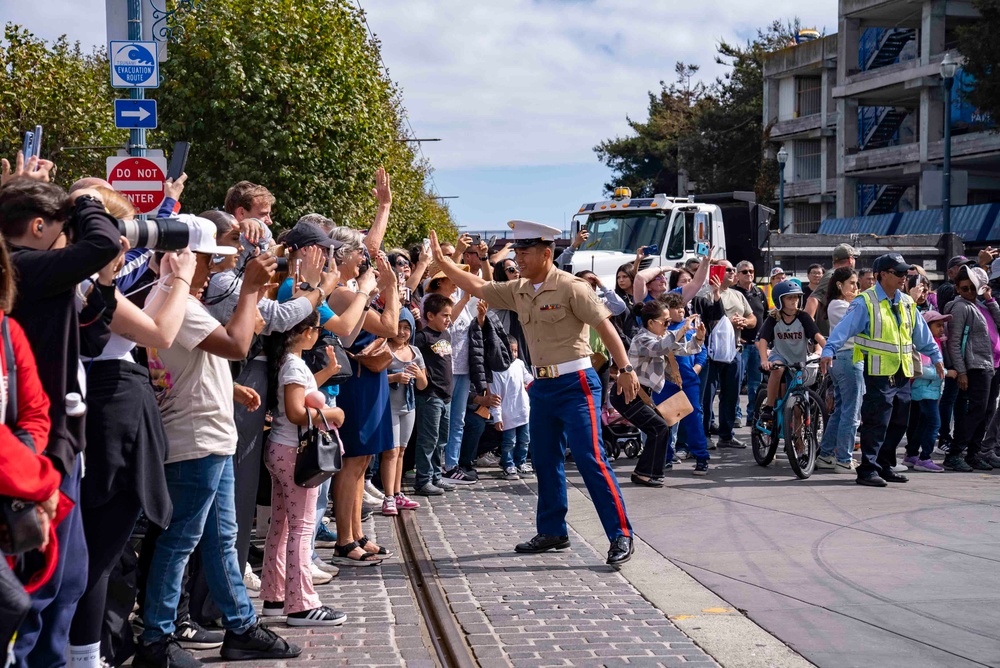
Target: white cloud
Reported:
point(516, 82)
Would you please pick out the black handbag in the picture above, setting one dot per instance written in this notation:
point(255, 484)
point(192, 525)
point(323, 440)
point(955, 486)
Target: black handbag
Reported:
point(317, 359)
point(20, 528)
point(318, 456)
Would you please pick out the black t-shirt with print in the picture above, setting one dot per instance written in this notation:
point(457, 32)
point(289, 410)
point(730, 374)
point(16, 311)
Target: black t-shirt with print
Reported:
point(435, 346)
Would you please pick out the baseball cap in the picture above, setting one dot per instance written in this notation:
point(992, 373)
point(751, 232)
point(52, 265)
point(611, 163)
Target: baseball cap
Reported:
point(844, 252)
point(934, 316)
point(891, 262)
point(776, 271)
point(308, 234)
point(979, 279)
point(202, 236)
point(959, 260)
point(995, 269)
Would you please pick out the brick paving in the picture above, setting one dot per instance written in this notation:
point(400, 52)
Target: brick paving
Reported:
point(558, 609)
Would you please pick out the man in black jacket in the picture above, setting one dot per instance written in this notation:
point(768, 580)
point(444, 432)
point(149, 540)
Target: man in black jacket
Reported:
point(489, 351)
point(39, 221)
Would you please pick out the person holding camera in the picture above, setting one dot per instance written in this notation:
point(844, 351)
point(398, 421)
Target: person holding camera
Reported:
point(38, 220)
point(198, 417)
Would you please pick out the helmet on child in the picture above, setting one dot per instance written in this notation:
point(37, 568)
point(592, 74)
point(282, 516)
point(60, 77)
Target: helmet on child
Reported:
point(785, 288)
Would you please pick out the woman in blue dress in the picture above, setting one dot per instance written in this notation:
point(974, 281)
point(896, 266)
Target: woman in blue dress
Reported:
point(367, 429)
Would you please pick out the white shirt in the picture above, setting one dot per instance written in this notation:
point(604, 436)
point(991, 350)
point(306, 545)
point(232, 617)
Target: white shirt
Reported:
point(511, 386)
point(198, 408)
point(459, 331)
point(293, 371)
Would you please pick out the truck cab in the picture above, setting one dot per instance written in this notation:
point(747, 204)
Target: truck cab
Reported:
point(678, 226)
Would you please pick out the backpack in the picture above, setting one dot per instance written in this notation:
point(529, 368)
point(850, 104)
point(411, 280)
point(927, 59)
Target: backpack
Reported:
point(722, 342)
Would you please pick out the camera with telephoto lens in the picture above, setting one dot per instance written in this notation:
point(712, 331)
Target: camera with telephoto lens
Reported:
point(159, 234)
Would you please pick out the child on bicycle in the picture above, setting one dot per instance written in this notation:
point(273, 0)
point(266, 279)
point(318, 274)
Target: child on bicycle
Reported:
point(787, 332)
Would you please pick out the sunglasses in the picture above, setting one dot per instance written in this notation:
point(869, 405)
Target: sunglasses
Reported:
point(402, 263)
point(965, 287)
point(511, 269)
point(898, 274)
point(730, 270)
point(746, 272)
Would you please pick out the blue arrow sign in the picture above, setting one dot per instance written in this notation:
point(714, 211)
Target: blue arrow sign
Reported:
point(135, 114)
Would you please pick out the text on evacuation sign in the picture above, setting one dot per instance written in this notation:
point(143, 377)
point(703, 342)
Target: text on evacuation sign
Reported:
point(134, 65)
point(135, 114)
point(139, 179)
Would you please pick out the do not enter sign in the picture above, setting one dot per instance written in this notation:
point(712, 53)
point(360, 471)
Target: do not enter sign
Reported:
point(139, 179)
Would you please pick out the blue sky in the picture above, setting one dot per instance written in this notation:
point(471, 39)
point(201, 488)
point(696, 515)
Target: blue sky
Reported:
point(519, 91)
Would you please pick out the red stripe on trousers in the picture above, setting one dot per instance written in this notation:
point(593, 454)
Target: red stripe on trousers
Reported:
point(598, 455)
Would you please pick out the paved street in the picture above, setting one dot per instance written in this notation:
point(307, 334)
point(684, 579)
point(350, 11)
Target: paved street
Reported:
point(846, 575)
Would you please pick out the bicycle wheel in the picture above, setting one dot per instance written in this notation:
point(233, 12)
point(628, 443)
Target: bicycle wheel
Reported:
point(802, 415)
point(764, 445)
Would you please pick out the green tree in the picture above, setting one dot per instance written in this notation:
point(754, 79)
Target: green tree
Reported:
point(716, 128)
point(291, 94)
point(978, 43)
point(63, 89)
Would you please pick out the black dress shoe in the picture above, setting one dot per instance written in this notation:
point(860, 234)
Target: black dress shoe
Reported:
point(872, 481)
point(647, 482)
point(543, 542)
point(892, 476)
point(621, 551)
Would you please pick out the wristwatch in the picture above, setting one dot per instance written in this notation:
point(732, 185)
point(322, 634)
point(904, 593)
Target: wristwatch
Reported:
point(306, 286)
point(484, 259)
point(628, 368)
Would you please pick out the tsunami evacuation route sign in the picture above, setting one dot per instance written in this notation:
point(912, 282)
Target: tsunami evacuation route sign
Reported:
point(134, 65)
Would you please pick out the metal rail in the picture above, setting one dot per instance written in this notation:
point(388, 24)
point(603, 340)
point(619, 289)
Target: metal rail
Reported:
point(447, 637)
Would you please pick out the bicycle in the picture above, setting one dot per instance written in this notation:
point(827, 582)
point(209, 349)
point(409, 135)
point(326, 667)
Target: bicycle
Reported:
point(799, 418)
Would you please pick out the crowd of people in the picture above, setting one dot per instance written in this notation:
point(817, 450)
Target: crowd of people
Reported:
point(155, 402)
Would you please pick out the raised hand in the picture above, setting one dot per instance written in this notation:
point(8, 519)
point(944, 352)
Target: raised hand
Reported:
point(382, 192)
point(173, 189)
point(312, 265)
point(38, 169)
point(258, 272)
point(182, 263)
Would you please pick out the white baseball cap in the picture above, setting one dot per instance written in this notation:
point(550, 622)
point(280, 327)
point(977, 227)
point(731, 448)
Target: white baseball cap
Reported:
point(203, 234)
point(995, 269)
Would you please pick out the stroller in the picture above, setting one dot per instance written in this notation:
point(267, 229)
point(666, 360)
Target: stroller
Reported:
point(619, 435)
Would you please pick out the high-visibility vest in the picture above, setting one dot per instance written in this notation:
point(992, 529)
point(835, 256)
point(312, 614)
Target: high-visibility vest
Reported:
point(890, 343)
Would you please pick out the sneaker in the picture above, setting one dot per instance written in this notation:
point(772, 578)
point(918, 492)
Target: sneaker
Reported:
point(684, 454)
point(911, 461)
point(325, 567)
point(325, 537)
point(980, 464)
point(273, 609)
point(766, 415)
point(713, 429)
point(732, 442)
point(375, 501)
point(251, 582)
point(257, 642)
point(942, 446)
point(404, 502)
point(826, 462)
point(367, 509)
point(430, 489)
point(373, 490)
point(488, 460)
point(191, 635)
point(927, 465)
point(510, 473)
point(445, 484)
point(457, 476)
point(321, 616)
point(389, 506)
point(319, 577)
point(956, 463)
point(164, 653)
point(737, 423)
point(846, 467)
point(899, 468)
point(990, 458)
point(700, 468)
point(526, 469)
point(711, 444)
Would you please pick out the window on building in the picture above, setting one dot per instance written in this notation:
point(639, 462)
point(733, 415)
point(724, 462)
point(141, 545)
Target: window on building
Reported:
point(807, 218)
point(808, 95)
point(808, 157)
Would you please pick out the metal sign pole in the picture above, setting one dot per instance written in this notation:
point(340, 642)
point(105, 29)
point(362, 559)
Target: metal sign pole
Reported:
point(137, 138)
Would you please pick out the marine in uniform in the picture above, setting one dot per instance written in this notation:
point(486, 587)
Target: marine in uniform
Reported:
point(887, 328)
point(555, 310)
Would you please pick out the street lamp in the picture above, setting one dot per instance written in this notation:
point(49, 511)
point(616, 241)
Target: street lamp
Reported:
point(949, 67)
point(782, 159)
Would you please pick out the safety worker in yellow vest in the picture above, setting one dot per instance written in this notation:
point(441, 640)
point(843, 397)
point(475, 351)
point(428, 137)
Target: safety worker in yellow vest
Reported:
point(887, 328)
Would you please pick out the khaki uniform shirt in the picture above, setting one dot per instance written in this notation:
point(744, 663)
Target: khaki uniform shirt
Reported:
point(555, 317)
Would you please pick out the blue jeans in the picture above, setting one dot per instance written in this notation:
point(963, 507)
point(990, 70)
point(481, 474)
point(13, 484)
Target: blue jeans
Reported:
point(474, 427)
point(322, 503)
point(848, 394)
point(514, 447)
point(925, 420)
point(749, 369)
point(44, 634)
point(204, 515)
point(433, 416)
point(456, 426)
